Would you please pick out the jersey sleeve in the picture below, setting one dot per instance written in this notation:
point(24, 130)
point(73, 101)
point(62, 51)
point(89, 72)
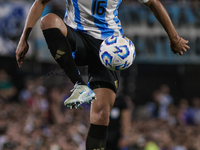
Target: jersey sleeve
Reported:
point(143, 1)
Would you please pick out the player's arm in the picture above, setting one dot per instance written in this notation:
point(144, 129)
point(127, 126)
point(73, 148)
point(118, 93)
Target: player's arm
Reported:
point(177, 43)
point(33, 16)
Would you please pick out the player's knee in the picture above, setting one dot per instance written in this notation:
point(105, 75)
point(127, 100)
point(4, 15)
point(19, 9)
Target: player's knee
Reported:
point(102, 116)
point(48, 21)
point(53, 21)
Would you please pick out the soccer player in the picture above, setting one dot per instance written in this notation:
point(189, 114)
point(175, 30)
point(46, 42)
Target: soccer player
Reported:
point(75, 41)
point(120, 123)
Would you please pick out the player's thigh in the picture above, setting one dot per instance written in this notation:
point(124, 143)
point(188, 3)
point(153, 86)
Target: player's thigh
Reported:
point(100, 108)
point(99, 75)
point(79, 46)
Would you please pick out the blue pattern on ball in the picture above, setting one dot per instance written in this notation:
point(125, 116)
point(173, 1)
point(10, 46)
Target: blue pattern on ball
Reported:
point(134, 54)
point(122, 66)
point(128, 40)
point(122, 51)
point(111, 40)
point(117, 52)
point(107, 58)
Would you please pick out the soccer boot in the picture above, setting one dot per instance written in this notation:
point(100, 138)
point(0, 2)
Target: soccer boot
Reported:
point(81, 94)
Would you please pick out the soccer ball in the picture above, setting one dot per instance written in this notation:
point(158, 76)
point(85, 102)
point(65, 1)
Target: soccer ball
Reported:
point(117, 52)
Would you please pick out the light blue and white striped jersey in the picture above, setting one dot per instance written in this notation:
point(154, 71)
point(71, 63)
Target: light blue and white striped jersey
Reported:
point(98, 18)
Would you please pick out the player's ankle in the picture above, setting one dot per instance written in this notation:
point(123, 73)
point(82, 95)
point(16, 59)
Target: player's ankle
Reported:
point(81, 83)
point(96, 138)
point(98, 131)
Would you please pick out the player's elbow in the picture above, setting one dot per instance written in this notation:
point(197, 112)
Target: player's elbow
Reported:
point(152, 3)
point(43, 1)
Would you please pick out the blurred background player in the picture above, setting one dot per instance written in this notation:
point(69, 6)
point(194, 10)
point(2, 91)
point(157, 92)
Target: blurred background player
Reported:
point(120, 124)
point(76, 41)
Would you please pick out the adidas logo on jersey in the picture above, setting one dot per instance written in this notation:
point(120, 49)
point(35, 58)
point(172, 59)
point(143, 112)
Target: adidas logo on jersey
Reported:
point(59, 53)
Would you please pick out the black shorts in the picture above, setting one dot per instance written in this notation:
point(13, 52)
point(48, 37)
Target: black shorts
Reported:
point(85, 51)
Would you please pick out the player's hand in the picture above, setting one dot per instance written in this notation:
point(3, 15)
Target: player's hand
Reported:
point(122, 143)
point(21, 51)
point(179, 45)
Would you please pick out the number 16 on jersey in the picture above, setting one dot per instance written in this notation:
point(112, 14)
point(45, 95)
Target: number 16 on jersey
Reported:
point(99, 7)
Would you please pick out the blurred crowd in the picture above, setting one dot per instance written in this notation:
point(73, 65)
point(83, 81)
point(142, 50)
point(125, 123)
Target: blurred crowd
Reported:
point(145, 31)
point(138, 21)
point(37, 119)
point(34, 118)
point(162, 125)
point(182, 12)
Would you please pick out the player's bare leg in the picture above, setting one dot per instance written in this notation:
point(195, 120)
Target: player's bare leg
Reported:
point(53, 21)
point(100, 109)
point(55, 32)
point(99, 118)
